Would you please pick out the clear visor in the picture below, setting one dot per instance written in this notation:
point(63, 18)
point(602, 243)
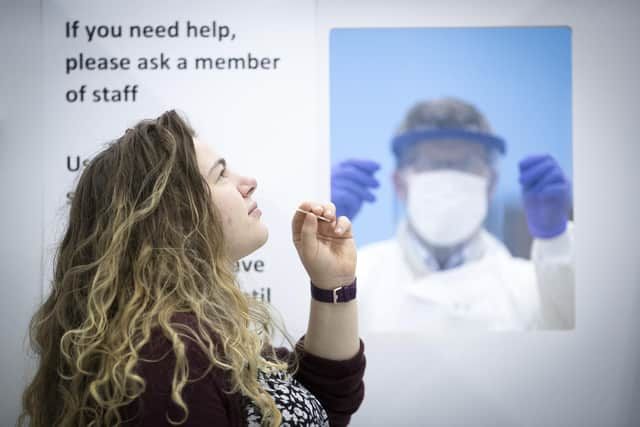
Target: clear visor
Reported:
point(476, 165)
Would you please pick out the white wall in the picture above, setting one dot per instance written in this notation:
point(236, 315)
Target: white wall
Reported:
point(20, 165)
point(588, 377)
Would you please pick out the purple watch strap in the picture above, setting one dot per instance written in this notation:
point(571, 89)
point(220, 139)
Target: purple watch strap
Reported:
point(340, 294)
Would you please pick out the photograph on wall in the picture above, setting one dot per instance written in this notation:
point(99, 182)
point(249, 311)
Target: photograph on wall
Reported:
point(451, 153)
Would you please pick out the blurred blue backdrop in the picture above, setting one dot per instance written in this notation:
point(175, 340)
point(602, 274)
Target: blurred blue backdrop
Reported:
point(519, 77)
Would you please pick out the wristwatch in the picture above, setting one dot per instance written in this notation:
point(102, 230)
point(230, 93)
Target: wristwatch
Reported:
point(340, 294)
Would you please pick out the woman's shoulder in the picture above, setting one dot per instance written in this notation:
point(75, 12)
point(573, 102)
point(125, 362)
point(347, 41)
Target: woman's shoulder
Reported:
point(206, 391)
point(159, 356)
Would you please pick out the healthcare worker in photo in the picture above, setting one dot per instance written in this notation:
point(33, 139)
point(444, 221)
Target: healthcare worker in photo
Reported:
point(443, 269)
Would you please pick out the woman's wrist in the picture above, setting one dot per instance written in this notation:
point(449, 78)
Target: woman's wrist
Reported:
point(337, 294)
point(330, 283)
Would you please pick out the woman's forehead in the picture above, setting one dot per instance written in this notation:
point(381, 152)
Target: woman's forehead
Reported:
point(206, 155)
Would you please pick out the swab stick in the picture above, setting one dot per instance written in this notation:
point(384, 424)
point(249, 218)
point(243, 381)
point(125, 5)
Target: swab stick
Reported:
point(318, 216)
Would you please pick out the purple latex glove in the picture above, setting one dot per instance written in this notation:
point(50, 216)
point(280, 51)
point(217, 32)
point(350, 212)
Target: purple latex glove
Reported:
point(546, 192)
point(350, 184)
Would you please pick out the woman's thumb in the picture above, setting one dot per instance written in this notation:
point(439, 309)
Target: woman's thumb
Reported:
point(309, 230)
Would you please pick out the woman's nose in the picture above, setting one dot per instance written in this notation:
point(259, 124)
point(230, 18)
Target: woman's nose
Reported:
point(247, 186)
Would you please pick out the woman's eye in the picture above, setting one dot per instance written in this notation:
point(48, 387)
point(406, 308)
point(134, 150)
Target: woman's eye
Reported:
point(223, 174)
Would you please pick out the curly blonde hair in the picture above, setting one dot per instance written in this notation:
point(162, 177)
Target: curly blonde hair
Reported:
point(144, 242)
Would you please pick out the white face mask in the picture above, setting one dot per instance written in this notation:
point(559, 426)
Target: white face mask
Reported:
point(446, 207)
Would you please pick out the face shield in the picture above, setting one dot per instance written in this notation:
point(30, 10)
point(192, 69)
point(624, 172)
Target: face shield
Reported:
point(404, 145)
point(468, 162)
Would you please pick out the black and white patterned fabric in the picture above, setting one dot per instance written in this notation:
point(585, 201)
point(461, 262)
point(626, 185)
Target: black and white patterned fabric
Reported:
point(296, 404)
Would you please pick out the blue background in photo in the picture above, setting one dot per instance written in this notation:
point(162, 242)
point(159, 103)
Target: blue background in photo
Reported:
point(519, 78)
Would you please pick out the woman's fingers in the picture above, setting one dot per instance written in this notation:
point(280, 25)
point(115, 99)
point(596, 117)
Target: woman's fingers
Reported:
point(309, 230)
point(311, 224)
point(323, 211)
point(299, 217)
point(343, 226)
point(329, 211)
point(326, 210)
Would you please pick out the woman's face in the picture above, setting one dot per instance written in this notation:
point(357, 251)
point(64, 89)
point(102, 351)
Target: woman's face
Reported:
point(243, 230)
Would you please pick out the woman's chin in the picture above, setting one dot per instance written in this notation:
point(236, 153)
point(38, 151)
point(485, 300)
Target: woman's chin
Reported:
point(258, 241)
point(264, 236)
point(248, 244)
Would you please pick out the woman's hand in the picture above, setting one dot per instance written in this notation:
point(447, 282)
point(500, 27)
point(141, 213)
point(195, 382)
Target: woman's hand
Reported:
point(327, 250)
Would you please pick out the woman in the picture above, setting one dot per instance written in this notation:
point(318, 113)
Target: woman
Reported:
point(146, 324)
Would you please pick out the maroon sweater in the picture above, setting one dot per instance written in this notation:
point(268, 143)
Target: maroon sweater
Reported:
point(337, 385)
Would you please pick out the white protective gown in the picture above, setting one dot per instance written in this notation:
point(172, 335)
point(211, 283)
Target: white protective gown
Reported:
point(491, 290)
